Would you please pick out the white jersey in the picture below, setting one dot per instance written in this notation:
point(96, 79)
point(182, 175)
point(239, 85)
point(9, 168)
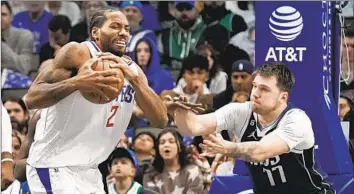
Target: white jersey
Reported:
point(295, 127)
point(76, 132)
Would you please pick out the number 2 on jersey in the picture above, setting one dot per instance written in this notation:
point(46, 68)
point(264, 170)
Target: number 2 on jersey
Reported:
point(113, 112)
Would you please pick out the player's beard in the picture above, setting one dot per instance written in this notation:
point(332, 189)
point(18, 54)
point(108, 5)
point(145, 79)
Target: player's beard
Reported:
point(262, 110)
point(108, 48)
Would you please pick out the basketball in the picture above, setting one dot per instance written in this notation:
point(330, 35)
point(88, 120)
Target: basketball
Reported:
point(95, 98)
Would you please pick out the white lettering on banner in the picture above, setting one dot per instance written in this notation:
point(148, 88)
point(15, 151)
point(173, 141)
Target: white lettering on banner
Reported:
point(289, 54)
point(249, 191)
point(326, 46)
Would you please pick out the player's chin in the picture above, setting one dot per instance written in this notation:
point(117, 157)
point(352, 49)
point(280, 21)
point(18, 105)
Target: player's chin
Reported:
point(116, 48)
point(256, 108)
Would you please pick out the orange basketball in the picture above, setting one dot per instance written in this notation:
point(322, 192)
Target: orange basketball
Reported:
point(94, 97)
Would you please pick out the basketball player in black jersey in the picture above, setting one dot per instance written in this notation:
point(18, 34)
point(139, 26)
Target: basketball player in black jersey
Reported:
point(274, 138)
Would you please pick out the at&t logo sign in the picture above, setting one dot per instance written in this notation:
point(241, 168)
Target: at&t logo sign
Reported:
point(286, 24)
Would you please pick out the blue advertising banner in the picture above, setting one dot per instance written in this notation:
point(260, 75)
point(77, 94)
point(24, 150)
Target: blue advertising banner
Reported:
point(300, 34)
point(304, 36)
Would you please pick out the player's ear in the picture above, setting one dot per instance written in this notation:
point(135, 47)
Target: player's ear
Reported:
point(96, 33)
point(285, 96)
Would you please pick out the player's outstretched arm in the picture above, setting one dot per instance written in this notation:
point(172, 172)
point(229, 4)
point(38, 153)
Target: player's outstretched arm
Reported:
point(58, 80)
point(191, 124)
point(295, 130)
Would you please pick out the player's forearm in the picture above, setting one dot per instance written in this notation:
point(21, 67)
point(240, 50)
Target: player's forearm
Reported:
point(247, 151)
point(186, 121)
point(150, 103)
point(20, 170)
point(43, 95)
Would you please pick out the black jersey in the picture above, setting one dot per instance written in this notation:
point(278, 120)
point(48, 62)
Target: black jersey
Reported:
point(289, 173)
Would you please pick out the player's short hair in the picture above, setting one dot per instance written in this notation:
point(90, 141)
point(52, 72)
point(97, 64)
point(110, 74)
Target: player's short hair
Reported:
point(285, 78)
point(60, 22)
point(99, 18)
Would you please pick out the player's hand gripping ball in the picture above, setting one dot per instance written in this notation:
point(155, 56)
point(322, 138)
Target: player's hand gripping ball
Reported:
point(95, 97)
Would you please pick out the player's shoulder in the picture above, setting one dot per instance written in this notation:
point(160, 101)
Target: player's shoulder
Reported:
point(76, 48)
point(72, 55)
point(298, 118)
point(297, 113)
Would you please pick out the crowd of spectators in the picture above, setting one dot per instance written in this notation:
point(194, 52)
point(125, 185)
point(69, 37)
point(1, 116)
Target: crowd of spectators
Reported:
point(203, 50)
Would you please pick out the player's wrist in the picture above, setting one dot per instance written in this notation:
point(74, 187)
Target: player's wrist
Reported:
point(136, 82)
point(73, 83)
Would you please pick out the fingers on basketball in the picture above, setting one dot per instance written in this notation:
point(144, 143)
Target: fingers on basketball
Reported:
point(110, 84)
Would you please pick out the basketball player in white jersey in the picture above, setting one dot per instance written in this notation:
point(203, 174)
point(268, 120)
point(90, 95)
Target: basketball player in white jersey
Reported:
point(74, 135)
point(274, 138)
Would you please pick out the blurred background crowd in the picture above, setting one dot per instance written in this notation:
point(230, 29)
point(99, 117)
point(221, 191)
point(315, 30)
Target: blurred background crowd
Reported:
point(204, 50)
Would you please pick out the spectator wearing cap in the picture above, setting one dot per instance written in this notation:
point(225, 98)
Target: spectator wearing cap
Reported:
point(16, 43)
point(59, 33)
point(180, 40)
point(195, 70)
point(241, 85)
point(123, 165)
point(133, 11)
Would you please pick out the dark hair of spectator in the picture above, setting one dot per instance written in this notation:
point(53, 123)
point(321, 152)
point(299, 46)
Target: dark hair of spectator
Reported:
point(7, 6)
point(60, 22)
point(99, 18)
point(202, 50)
point(145, 133)
point(159, 163)
point(18, 101)
point(284, 76)
point(15, 135)
point(193, 61)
